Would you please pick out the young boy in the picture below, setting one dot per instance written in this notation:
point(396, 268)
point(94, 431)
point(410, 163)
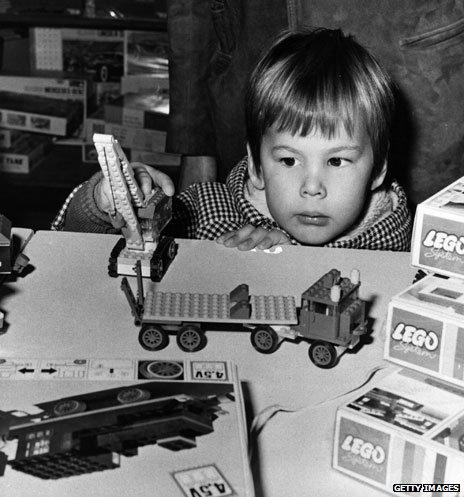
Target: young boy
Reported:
point(319, 110)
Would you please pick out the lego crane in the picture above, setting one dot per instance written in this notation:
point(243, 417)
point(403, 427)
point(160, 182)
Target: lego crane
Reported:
point(140, 218)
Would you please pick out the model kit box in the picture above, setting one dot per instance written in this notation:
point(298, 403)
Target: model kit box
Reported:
point(425, 328)
point(44, 95)
point(149, 140)
point(405, 431)
point(100, 426)
point(25, 155)
point(438, 237)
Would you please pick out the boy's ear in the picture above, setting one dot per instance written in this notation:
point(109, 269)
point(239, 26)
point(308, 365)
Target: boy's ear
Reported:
point(256, 178)
point(378, 177)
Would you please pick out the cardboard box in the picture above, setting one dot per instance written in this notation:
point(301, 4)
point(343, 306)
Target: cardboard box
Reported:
point(148, 140)
point(425, 328)
point(26, 154)
point(139, 110)
point(105, 427)
point(438, 236)
point(406, 431)
point(62, 92)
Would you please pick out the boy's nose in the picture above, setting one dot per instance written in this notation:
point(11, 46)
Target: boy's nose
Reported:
point(313, 186)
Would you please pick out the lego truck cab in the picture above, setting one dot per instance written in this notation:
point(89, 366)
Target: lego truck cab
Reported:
point(331, 314)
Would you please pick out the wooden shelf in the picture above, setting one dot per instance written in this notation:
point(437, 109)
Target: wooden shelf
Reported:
point(68, 21)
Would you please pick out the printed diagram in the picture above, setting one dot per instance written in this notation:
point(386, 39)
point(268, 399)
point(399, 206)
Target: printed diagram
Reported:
point(397, 410)
point(90, 432)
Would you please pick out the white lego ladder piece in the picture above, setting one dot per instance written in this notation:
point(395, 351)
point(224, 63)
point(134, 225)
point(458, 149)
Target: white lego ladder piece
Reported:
point(124, 189)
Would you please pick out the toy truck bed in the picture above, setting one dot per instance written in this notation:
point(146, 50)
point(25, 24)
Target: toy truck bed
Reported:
point(166, 307)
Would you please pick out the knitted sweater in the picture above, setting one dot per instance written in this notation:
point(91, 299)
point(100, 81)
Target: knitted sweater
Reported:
point(208, 210)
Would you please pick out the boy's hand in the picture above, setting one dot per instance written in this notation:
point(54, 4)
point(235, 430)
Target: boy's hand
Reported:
point(250, 237)
point(146, 177)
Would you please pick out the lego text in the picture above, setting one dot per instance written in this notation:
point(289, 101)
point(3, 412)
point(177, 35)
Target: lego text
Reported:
point(444, 241)
point(415, 336)
point(366, 450)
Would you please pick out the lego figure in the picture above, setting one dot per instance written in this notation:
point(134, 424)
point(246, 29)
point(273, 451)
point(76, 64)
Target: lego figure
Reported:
point(139, 217)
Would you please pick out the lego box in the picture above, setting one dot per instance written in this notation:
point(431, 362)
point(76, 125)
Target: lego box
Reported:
point(438, 236)
point(425, 328)
point(406, 434)
point(111, 427)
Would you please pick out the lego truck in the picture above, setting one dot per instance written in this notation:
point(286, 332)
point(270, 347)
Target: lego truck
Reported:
point(331, 314)
point(89, 432)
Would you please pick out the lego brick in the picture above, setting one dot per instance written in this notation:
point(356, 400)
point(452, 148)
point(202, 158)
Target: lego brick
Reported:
point(169, 306)
point(320, 290)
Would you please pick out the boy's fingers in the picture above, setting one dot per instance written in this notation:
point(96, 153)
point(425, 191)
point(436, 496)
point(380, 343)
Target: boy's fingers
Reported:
point(266, 243)
point(103, 195)
point(144, 180)
point(233, 238)
point(148, 176)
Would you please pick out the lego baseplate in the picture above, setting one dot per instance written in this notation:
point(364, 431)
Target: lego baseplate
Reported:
point(175, 307)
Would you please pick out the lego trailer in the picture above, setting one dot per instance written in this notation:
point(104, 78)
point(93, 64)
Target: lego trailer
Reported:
point(331, 314)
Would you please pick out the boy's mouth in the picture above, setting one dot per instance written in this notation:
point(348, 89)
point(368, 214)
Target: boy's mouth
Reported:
point(313, 219)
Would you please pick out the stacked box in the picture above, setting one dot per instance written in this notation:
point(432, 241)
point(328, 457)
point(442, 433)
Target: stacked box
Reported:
point(408, 430)
point(425, 328)
point(26, 154)
point(438, 237)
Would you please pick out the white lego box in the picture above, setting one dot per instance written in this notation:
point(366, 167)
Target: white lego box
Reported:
point(425, 328)
point(405, 435)
point(438, 236)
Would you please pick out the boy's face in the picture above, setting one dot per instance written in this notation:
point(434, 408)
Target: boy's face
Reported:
point(315, 186)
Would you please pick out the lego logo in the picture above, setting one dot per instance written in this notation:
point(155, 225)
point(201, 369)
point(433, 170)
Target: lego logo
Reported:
point(364, 449)
point(442, 240)
point(416, 336)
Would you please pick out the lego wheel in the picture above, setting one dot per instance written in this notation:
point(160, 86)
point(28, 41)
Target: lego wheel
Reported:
point(153, 337)
point(172, 250)
point(67, 407)
point(190, 338)
point(323, 355)
point(264, 340)
point(165, 370)
point(130, 395)
point(156, 270)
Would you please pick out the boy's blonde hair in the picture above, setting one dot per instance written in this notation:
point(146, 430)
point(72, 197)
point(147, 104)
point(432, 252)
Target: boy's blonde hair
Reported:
point(318, 80)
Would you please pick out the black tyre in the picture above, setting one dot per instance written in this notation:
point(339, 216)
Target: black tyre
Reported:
point(172, 250)
point(264, 340)
point(190, 338)
point(68, 407)
point(130, 395)
point(156, 270)
point(323, 355)
point(152, 337)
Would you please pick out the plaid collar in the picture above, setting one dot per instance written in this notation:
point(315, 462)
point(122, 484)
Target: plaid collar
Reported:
point(391, 233)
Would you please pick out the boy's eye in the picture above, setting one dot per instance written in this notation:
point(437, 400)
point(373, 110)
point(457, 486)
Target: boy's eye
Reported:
point(288, 161)
point(336, 161)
